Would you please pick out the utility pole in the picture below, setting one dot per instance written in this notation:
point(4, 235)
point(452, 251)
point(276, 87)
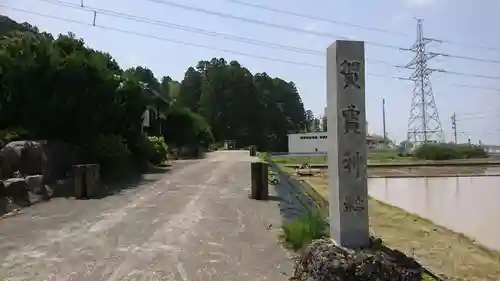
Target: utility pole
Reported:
point(454, 126)
point(383, 120)
point(423, 124)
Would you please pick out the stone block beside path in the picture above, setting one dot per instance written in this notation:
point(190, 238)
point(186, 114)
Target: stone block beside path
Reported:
point(17, 189)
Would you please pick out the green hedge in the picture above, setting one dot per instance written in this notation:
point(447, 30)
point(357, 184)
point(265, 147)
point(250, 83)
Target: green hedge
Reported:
point(448, 151)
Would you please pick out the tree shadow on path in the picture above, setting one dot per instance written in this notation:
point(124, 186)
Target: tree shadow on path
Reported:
point(120, 182)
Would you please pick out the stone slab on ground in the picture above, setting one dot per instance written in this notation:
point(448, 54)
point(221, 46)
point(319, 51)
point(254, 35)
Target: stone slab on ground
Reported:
point(193, 223)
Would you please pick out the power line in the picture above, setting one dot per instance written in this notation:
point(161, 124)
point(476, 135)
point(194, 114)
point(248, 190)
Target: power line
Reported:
point(491, 130)
point(307, 16)
point(453, 73)
point(184, 28)
point(480, 117)
point(175, 41)
point(465, 74)
point(285, 12)
point(495, 49)
point(247, 40)
point(198, 30)
point(236, 38)
point(465, 57)
point(474, 87)
point(161, 38)
point(480, 112)
point(299, 30)
point(220, 49)
point(268, 24)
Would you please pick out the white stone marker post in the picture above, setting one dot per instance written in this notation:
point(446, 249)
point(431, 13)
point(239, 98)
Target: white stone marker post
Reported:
point(347, 144)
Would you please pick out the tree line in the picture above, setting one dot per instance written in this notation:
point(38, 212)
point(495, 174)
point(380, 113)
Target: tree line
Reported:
point(59, 88)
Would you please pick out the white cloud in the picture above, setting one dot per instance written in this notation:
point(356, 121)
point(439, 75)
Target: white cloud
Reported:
point(419, 3)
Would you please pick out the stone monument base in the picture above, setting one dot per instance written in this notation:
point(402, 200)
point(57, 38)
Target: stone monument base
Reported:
point(324, 260)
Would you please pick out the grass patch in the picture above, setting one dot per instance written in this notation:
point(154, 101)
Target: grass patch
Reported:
point(300, 232)
point(426, 277)
point(263, 156)
point(441, 249)
point(388, 156)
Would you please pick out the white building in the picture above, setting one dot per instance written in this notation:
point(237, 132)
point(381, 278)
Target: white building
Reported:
point(318, 142)
point(307, 142)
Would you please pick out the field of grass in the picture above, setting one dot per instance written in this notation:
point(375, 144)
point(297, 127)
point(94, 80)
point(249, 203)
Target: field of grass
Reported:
point(443, 250)
point(388, 156)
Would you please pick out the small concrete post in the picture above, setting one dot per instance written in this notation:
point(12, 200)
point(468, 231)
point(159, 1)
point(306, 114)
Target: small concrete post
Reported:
point(3, 198)
point(78, 181)
point(259, 185)
point(264, 192)
point(92, 179)
point(255, 171)
point(347, 144)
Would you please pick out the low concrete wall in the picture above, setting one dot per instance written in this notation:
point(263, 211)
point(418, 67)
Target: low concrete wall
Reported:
point(307, 195)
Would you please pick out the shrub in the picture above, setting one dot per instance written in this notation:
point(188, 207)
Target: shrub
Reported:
point(109, 151)
point(301, 231)
point(159, 148)
point(471, 151)
point(8, 135)
point(448, 151)
point(142, 151)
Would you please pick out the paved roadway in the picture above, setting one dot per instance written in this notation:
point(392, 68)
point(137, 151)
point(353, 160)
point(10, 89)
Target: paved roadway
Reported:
point(194, 223)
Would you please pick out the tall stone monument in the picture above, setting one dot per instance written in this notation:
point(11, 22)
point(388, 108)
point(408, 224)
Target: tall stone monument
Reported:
point(347, 144)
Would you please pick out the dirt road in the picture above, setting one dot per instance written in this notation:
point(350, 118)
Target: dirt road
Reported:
point(194, 223)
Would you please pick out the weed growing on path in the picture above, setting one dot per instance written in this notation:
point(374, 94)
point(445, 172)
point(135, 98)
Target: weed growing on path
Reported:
point(300, 232)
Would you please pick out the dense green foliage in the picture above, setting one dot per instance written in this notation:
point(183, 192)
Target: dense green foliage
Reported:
point(108, 151)
point(59, 88)
point(250, 109)
point(448, 151)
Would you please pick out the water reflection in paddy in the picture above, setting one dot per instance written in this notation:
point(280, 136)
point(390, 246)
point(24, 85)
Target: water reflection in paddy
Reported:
point(469, 205)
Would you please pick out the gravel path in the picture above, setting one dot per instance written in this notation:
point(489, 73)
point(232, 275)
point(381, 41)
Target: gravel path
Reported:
point(194, 223)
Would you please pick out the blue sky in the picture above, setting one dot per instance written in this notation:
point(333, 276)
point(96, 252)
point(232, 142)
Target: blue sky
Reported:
point(462, 22)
